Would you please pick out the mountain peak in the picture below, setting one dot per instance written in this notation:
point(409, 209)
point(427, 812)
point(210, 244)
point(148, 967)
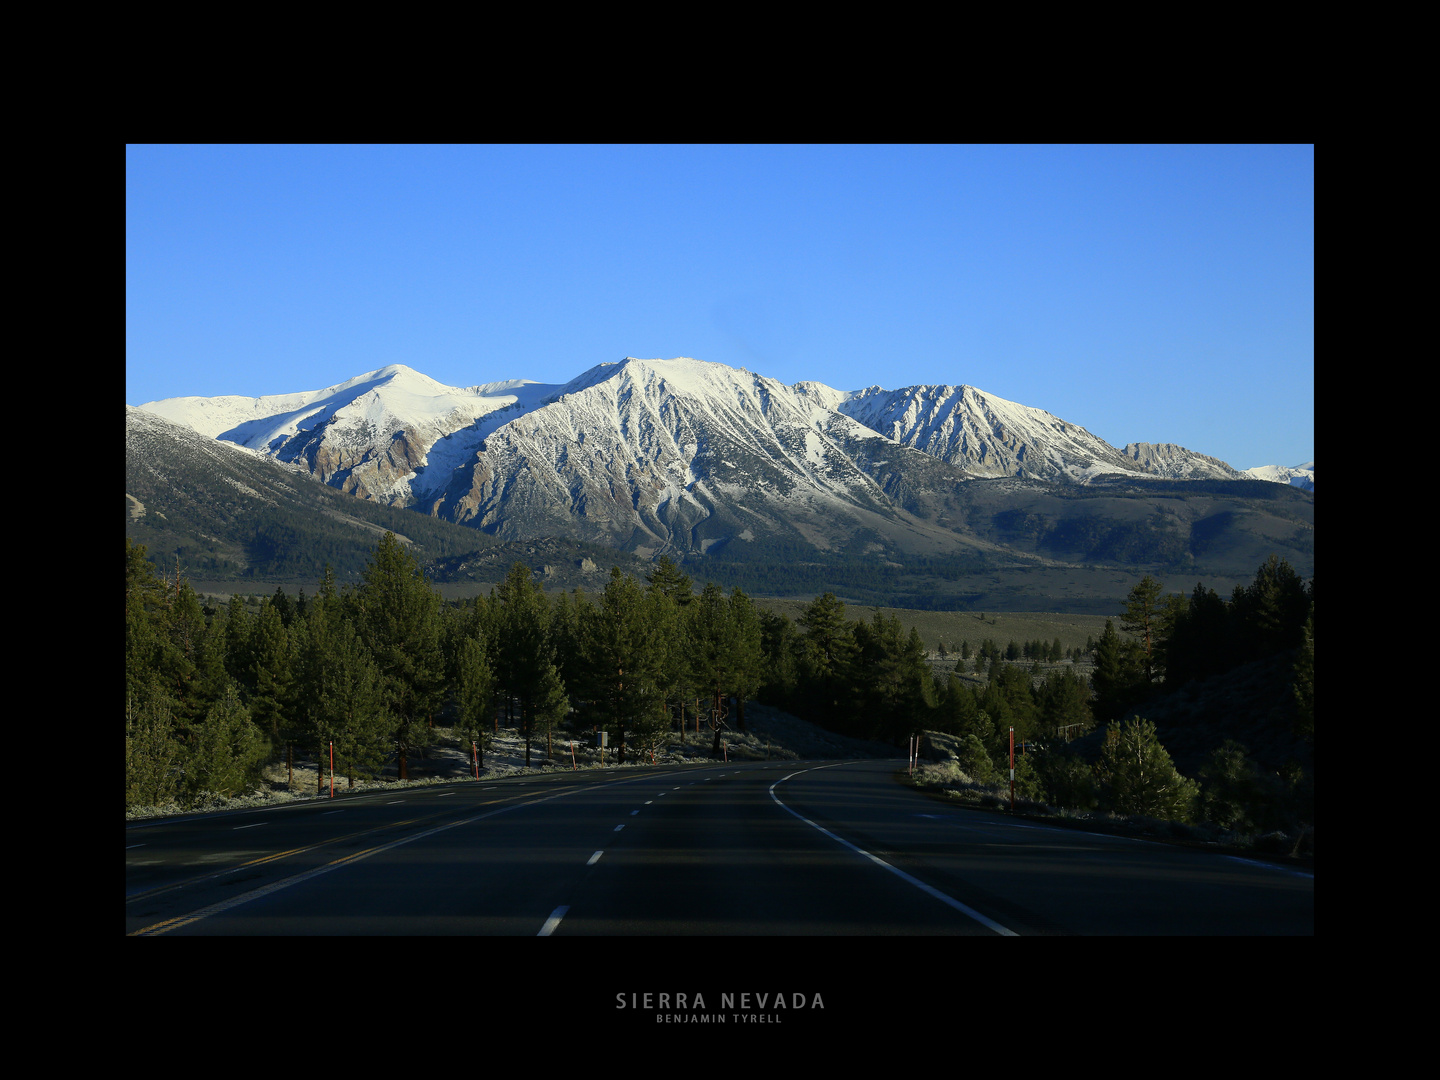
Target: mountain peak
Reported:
point(679, 451)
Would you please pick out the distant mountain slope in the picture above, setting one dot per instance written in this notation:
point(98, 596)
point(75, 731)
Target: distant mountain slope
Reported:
point(984, 434)
point(228, 512)
point(381, 436)
point(713, 465)
point(682, 455)
point(1301, 476)
point(1167, 459)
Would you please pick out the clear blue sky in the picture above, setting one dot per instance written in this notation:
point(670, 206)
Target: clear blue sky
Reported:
point(1150, 294)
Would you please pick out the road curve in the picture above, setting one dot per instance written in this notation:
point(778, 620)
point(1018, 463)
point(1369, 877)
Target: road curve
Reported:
point(755, 849)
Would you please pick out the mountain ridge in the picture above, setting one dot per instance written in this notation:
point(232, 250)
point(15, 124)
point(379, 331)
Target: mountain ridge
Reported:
point(692, 458)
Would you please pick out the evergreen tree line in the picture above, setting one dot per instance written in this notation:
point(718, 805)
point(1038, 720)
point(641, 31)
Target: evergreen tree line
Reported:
point(212, 694)
point(867, 678)
point(1175, 640)
point(1037, 651)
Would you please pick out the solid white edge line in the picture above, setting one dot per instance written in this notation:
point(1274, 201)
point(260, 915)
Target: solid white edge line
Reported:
point(553, 921)
point(901, 874)
point(1270, 866)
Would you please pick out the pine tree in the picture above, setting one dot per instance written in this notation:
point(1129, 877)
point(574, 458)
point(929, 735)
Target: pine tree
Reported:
point(725, 651)
point(236, 640)
point(340, 692)
point(1119, 677)
point(623, 661)
point(1138, 776)
point(1064, 704)
point(152, 755)
point(1271, 612)
point(1305, 683)
point(228, 749)
point(475, 691)
point(1201, 643)
point(780, 643)
point(666, 578)
point(398, 618)
point(143, 596)
point(526, 669)
point(827, 651)
point(1142, 614)
point(268, 673)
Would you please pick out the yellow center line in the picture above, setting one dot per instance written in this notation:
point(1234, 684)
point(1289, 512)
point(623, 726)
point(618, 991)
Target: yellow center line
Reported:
point(159, 889)
point(255, 894)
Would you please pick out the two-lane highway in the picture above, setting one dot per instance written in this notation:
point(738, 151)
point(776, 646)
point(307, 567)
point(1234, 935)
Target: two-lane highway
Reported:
point(817, 848)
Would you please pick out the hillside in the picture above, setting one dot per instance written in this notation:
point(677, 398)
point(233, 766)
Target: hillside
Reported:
point(743, 481)
point(228, 514)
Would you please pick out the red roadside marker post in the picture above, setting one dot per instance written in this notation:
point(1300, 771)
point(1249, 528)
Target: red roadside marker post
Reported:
point(332, 770)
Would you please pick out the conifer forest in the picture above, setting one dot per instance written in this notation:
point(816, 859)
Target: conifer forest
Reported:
point(214, 691)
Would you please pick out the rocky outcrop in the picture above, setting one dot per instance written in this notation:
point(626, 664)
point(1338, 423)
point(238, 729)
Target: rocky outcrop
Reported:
point(1167, 459)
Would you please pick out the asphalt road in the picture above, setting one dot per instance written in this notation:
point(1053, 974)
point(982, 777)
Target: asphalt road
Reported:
point(754, 849)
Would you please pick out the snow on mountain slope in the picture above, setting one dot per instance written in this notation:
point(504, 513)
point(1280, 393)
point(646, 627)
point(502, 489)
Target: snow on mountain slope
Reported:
point(373, 435)
point(1301, 476)
point(647, 454)
point(1167, 459)
point(675, 452)
point(984, 434)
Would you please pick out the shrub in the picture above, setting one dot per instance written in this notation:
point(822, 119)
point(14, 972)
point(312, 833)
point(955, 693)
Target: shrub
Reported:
point(1235, 795)
point(1028, 783)
point(1069, 781)
point(975, 761)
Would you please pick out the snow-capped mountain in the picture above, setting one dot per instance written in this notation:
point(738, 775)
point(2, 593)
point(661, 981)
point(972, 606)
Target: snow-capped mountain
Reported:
point(984, 434)
point(1301, 476)
point(371, 436)
point(684, 454)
